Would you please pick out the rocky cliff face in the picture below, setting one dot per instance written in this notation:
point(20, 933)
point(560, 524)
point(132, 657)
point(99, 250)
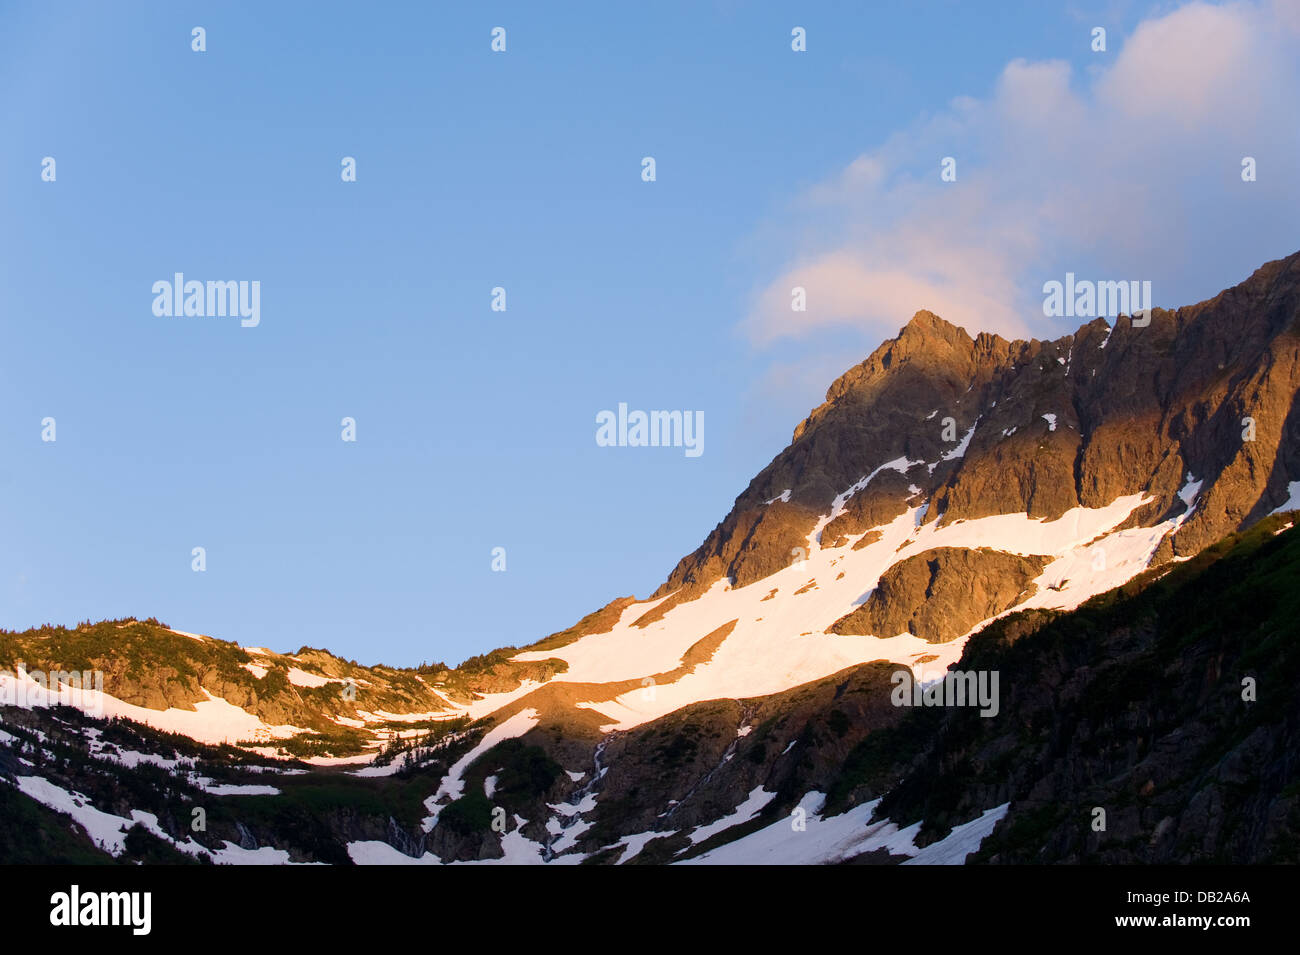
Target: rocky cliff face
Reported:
point(1205, 392)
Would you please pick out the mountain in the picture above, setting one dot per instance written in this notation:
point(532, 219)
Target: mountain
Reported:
point(1091, 526)
point(1169, 702)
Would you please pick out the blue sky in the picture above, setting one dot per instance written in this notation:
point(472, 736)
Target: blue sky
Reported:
point(475, 428)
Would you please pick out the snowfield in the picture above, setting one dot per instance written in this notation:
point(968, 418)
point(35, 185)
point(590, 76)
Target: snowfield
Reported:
point(781, 643)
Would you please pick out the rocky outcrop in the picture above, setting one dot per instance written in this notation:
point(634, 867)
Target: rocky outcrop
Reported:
point(888, 495)
point(748, 546)
point(940, 594)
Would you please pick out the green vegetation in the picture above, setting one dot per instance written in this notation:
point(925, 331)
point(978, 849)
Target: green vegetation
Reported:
point(419, 748)
point(524, 773)
point(343, 741)
point(468, 814)
point(137, 649)
point(680, 747)
point(1086, 695)
point(879, 760)
point(33, 835)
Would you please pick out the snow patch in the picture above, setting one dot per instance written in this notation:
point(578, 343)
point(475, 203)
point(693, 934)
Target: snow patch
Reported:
point(302, 678)
point(823, 840)
point(233, 789)
point(746, 811)
point(953, 848)
point(960, 450)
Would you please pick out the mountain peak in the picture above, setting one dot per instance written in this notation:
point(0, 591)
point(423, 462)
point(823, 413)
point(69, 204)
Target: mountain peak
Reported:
point(926, 319)
point(1037, 427)
point(927, 326)
point(931, 339)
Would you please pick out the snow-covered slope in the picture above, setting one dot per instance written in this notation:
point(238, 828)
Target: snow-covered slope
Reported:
point(780, 639)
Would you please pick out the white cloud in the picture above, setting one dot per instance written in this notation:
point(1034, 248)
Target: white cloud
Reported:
point(1130, 171)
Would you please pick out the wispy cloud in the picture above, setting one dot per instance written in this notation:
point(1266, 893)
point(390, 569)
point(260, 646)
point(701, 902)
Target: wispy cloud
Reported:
point(1132, 168)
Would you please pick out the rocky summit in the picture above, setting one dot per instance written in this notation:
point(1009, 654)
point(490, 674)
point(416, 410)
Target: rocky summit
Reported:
point(1102, 521)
